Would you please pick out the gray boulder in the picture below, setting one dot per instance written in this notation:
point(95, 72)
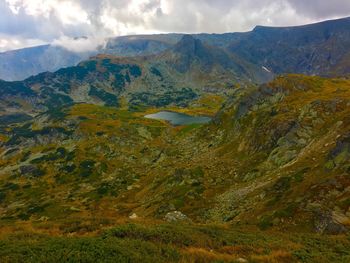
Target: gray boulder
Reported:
point(175, 216)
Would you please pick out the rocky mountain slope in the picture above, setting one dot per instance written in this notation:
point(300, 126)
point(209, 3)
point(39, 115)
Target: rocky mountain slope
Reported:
point(288, 146)
point(23, 63)
point(176, 76)
point(276, 155)
point(317, 49)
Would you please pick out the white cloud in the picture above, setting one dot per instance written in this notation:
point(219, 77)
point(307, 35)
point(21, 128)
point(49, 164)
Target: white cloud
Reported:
point(14, 42)
point(82, 44)
point(62, 20)
point(69, 12)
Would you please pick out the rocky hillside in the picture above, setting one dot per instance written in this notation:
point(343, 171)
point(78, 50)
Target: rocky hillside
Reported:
point(287, 143)
point(275, 155)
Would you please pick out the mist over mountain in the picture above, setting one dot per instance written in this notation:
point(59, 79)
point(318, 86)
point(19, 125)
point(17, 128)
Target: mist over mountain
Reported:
point(23, 63)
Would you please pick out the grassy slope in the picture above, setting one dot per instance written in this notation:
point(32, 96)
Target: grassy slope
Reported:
point(175, 243)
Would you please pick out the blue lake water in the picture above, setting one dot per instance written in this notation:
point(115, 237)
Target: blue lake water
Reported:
point(177, 119)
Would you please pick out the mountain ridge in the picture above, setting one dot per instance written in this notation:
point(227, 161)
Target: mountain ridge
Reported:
point(177, 75)
point(155, 44)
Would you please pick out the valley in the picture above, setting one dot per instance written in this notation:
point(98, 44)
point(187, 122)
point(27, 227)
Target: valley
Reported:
point(248, 168)
point(190, 154)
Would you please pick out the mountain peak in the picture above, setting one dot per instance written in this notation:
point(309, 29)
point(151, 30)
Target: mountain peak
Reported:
point(188, 45)
point(187, 38)
point(188, 51)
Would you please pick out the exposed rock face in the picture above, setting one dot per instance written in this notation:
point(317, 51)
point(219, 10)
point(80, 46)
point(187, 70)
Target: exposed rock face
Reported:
point(328, 223)
point(341, 153)
point(133, 216)
point(175, 216)
point(31, 170)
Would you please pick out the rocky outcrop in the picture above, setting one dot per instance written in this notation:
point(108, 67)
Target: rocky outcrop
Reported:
point(175, 216)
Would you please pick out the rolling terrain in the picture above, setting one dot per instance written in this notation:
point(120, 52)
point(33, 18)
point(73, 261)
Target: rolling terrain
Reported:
point(269, 160)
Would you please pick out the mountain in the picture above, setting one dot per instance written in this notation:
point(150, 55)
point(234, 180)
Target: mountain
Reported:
point(23, 63)
point(140, 44)
point(191, 51)
point(176, 76)
point(202, 61)
point(316, 49)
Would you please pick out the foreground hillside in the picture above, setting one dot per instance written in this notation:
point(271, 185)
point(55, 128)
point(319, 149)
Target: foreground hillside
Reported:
point(136, 242)
point(275, 159)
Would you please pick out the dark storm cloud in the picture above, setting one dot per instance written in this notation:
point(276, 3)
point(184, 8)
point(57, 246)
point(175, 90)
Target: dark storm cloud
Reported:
point(61, 20)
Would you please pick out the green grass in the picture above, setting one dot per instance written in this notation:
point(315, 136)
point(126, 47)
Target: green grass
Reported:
point(189, 128)
point(43, 249)
point(176, 243)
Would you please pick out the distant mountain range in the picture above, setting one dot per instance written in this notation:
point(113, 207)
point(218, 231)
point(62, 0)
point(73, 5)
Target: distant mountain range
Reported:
point(23, 63)
point(317, 49)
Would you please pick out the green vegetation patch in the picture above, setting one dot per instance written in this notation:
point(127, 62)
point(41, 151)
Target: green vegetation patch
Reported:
point(86, 168)
point(14, 118)
point(25, 132)
point(108, 98)
point(175, 243)
point(181, 98)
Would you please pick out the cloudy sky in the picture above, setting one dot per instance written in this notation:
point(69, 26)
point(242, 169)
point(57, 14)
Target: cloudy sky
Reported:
point(31, 22)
